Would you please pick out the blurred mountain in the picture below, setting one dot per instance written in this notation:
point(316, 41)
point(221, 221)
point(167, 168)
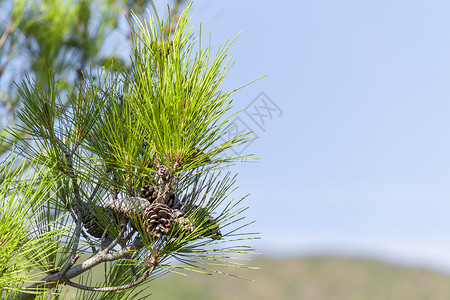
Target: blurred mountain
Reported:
point(322, 278)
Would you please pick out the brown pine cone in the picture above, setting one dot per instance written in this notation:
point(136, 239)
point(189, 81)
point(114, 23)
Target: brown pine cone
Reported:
point(163, 172)
point(91, 222)
point(128, 207)
point(149, 192)
point(182, 227)
point(158, 219)
point(206, 220)
point(213, 230)
point(174, 202)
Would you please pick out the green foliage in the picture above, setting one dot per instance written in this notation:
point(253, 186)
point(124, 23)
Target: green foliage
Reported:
point(23, 249)
point(118, 132)
point(66, 36)
point(176, 92)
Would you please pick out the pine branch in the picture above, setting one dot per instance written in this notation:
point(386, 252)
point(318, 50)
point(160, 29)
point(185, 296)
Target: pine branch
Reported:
point(7, 31)
point(112, 288)
point(52, 280)
point(73, 256)
point(156, 132)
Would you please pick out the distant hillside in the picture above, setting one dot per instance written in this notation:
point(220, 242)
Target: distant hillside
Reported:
point(325, 278)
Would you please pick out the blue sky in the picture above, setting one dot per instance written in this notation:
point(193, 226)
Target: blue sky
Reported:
point(355, 159)
point(359, 160)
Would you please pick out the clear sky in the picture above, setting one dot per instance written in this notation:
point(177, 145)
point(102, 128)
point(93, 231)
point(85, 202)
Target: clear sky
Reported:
point(358, 162)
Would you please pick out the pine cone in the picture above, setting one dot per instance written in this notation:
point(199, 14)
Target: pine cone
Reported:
point(163, 172)
point(149, 192)
point(174, 202)
point(213, 230)
point(182, 226)
point(128, 207)
point(158, 219)
point(207, 221)
point(87, 213)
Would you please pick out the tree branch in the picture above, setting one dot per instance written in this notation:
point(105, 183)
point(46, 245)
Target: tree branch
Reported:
point(112, 288)
point(116, 240)
point(105, 232)
point(8, 30)
point(52, 280)
point(74, 217)
point(73, 256)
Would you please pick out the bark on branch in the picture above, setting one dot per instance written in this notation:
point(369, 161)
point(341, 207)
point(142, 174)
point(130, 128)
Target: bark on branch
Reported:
point(52, 280)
